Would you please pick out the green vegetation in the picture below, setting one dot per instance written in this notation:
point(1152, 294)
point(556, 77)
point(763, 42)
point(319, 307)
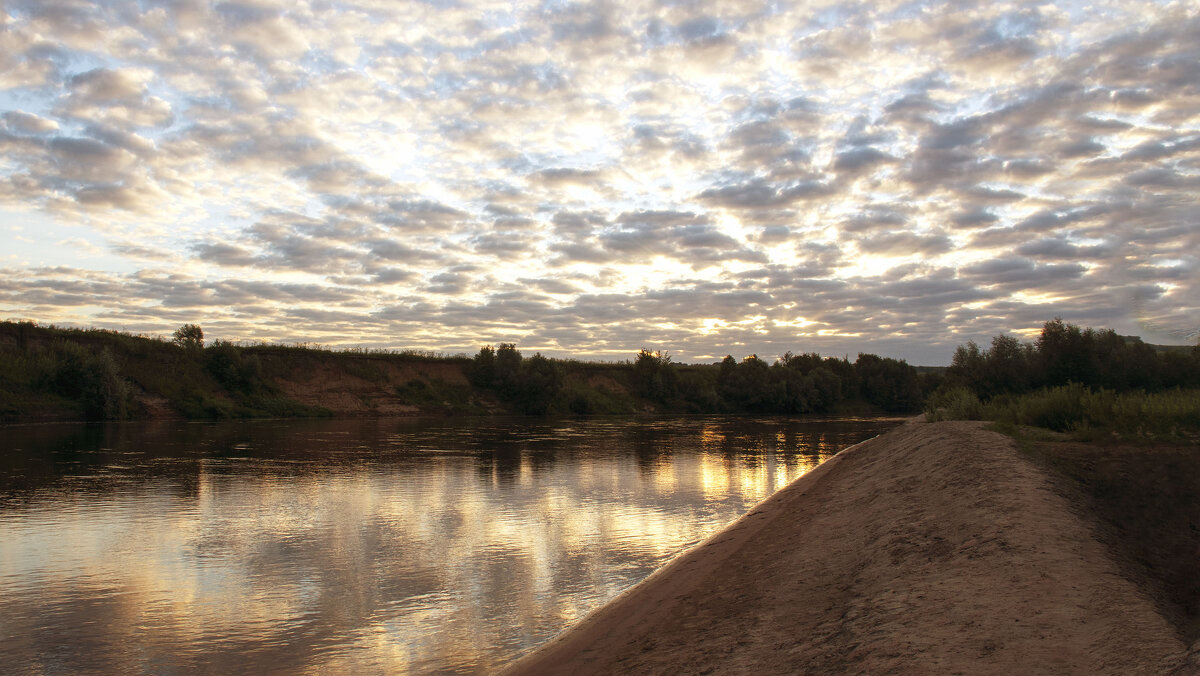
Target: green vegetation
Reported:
point(531, 385)
point(66, 375)
point(1065, 353)
point(437, 396)
point(51, 373)
point(55, 373)
point(189, 337)
point(1138, 409)
point(1090, 384)
point(793, 384)
point(1084, 413)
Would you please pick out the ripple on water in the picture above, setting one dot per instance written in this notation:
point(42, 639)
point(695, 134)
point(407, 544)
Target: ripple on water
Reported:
point(358, 546)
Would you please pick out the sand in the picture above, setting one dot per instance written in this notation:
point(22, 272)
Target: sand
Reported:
point(935, 548)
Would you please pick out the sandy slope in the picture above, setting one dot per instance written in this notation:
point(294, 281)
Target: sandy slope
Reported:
point(935, 548)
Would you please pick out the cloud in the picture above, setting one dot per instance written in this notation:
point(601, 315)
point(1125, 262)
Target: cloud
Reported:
point(859, 159)
point(559, 176)
point(223, 254)
point(1061, 248)
point(104, 86)
point(758, 193)
point(974, 217)
point(28, 123)
point(1020, 272)
point(900, 243)
point(87, 159)
point(602, 174)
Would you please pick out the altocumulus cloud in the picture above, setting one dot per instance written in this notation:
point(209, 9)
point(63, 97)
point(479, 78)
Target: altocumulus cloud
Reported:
point(589, 179)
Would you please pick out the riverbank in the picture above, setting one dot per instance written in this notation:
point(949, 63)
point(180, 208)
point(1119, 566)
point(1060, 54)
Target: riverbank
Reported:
point(62, 374)
point(935, 548)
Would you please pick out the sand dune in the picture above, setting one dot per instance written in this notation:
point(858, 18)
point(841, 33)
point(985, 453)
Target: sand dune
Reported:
point(935, 548)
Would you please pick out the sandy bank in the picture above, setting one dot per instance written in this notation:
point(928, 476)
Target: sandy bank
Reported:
point(935, 548)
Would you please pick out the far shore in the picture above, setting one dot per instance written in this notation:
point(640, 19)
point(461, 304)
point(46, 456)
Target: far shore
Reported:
point(934, 548)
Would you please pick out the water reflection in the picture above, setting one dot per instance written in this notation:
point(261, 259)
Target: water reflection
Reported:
point(376, 545)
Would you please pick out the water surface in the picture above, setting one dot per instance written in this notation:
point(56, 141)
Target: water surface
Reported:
point(391, 545)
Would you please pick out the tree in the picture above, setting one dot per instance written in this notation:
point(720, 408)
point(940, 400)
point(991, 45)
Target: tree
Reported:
point(800, 362)
point(824, 387)
point(1067, 354)
point(748, 385)
point(890, 384)
point(653, 377)
point(540, 384)
point(508, 369)
point(483, 367)
point(967, 366)
point(189, 337)
point(807, 383)
point(1006, 368)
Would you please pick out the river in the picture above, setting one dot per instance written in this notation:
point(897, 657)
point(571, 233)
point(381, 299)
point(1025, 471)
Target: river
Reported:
point(364, 546)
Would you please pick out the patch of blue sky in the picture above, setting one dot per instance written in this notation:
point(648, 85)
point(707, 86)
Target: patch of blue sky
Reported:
point(76, 62)
point(903, 11)
point(1017, 23)
point(25, 99)
point(34, 239)
point(969, 104)
point(320, 62)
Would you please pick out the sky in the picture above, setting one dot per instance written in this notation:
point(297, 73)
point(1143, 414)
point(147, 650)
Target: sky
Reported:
point(589, 179)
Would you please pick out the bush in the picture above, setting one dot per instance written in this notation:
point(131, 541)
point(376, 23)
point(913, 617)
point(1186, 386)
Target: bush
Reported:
point(90, 378)
point(956, 403)
point(225, 363)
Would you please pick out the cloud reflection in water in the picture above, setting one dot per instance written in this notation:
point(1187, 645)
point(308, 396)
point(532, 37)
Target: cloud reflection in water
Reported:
point(358, 545)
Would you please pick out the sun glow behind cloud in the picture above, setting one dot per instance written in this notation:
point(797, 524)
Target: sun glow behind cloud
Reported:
point(597, 178)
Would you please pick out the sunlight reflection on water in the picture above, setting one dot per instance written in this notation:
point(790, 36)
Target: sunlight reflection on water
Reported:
point(363, 545)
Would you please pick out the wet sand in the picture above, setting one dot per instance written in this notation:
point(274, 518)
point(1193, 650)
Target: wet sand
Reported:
point(935, 548)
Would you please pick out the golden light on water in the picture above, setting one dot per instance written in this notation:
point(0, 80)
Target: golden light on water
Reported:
point(415, 563)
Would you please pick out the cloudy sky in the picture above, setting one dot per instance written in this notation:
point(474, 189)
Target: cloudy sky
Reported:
point(592, 178)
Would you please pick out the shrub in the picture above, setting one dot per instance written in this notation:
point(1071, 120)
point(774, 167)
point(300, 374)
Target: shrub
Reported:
point(91, 378)
point(956, 403)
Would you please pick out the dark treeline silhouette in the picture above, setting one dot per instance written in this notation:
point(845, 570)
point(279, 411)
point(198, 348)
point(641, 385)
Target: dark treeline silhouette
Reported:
point(1067, 354)
point(49, 373)
point(805, 383)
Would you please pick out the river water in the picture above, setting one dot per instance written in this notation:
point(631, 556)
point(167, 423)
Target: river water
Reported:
point(357, 546)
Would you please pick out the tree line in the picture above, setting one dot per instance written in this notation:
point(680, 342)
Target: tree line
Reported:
point(1090, 384)
point(806, 383)
point(108, 375)
point(1066, 354)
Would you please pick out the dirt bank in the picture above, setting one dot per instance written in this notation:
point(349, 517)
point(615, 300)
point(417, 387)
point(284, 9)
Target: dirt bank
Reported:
point(935, 548)
point(374, 387)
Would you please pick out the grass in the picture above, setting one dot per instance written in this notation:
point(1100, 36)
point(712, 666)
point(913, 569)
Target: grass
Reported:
point(1171, 416)
point(1131, 461)
point(437, 395)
